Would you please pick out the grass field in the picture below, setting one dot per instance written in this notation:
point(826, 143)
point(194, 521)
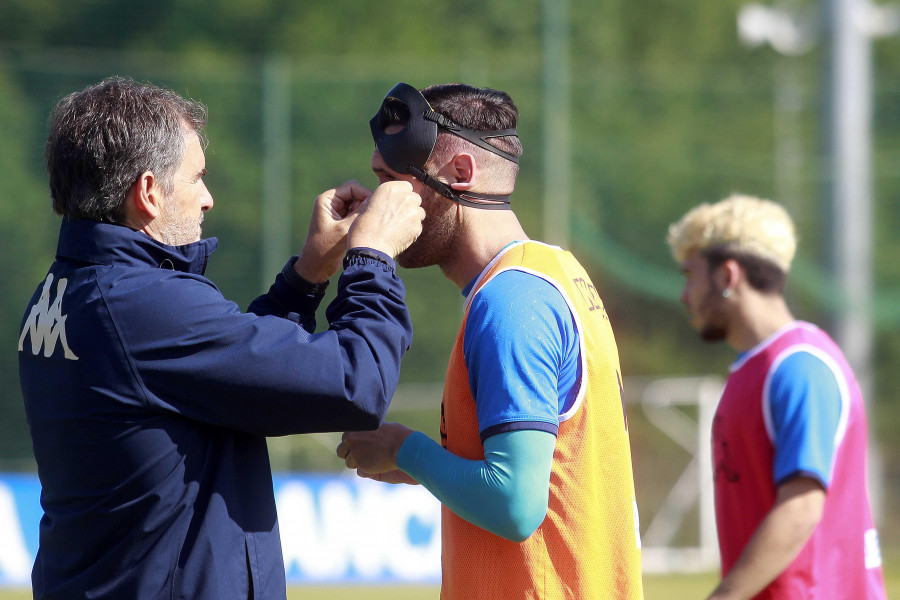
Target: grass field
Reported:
point(656, 587)
point(694, 587)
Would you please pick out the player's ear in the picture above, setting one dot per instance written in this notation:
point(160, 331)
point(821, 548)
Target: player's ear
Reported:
point(463, 171)
point(729, 274)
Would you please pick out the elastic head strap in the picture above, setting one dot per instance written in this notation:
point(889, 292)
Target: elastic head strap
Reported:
point(471, 199)
point(476, 136)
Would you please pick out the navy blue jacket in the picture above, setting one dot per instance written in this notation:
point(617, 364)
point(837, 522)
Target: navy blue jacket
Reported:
point(149, 397)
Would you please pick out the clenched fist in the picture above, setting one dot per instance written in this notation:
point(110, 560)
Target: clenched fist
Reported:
point(326, 240)
point(389, 221)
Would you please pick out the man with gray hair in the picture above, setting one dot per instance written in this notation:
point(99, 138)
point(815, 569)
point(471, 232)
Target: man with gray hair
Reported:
point(149, 396)
point(789, 435)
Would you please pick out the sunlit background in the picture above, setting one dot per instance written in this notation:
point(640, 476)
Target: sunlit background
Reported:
point(631, 112)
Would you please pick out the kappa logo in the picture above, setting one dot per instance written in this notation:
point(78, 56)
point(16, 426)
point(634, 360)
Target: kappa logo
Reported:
point(46, 323)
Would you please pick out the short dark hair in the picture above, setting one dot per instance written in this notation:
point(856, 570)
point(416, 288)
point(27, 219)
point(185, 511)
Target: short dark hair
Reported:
point(483, 109)
point(477, 108)
point(104, 137)
point(762, 275)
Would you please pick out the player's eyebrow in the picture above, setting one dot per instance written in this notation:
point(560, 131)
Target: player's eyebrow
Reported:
point(201, 174)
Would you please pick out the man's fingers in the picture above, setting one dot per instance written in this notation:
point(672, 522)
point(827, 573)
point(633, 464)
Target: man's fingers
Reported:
point(351, 191)
point(391, 220)
point(358, 206)
point(343, 449)
point(344, 199)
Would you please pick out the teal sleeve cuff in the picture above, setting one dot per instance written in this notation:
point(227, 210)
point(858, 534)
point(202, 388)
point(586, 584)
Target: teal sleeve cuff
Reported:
point(506, 493)
point(414, 453)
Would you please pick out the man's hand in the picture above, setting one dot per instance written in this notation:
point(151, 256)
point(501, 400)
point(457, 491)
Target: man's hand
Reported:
point(374, 453)
point(397, 476)
point(333, 214)
point(391, 219)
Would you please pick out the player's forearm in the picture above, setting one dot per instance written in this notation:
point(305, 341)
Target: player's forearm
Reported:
point(506, 493)
point(765, 557)
point(776, 543)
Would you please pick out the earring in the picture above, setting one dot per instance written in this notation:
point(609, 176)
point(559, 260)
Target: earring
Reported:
point(726, 293)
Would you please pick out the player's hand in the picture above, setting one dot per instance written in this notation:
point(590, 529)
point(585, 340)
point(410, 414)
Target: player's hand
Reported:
point(373, 452)
point(326, 241)
point(390, 220)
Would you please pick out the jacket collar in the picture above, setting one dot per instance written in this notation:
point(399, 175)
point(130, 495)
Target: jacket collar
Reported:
point(106, 244)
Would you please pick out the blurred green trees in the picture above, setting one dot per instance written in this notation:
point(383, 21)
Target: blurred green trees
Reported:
point(668, 110)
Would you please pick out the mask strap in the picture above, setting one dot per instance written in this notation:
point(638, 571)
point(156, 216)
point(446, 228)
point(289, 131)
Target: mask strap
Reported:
point(476, 136)
point(482, 201)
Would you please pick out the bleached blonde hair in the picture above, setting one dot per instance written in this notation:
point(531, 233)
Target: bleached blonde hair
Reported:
point(741, 224)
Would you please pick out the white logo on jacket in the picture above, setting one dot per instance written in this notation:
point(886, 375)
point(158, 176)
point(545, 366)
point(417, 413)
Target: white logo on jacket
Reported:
point(46, 323)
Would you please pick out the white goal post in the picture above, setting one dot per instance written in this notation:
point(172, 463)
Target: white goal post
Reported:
point(682, 409)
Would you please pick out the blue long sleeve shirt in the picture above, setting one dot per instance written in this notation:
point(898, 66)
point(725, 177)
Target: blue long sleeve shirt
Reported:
point(149, 397)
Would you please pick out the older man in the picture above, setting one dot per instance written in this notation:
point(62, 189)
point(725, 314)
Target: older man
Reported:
point(149, 395)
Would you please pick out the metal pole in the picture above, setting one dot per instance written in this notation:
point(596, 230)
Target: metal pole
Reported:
point(557, 144)
point(276, 171)
point(850, 120)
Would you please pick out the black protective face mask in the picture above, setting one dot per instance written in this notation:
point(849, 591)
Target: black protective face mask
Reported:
point(413, 129)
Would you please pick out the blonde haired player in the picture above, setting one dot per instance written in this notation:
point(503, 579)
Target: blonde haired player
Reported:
point(789, 435)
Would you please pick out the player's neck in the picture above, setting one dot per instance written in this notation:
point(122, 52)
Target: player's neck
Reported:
point(756, 319)
point(484, 234)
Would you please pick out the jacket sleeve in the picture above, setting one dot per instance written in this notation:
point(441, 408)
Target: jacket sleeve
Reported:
point(290, 297)
point(196, 354)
